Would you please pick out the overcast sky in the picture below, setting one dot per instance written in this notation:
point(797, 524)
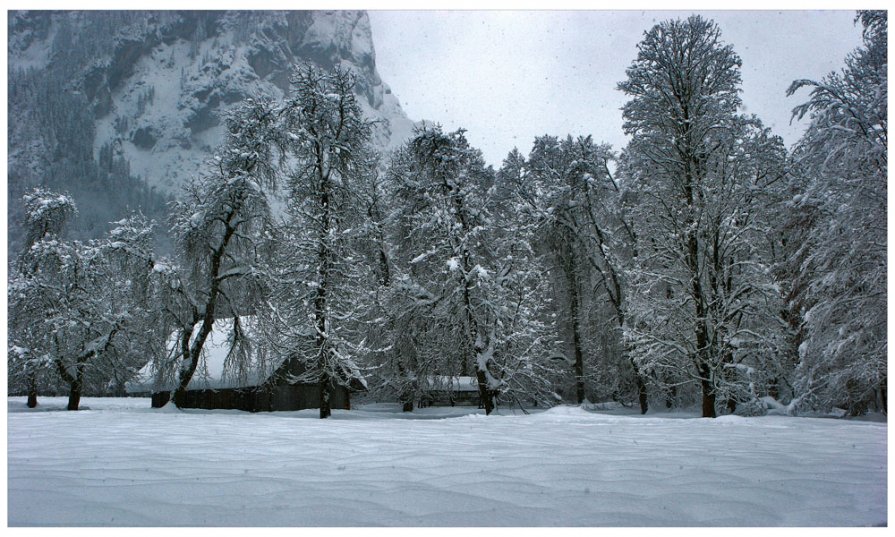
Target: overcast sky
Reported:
point(509, 76)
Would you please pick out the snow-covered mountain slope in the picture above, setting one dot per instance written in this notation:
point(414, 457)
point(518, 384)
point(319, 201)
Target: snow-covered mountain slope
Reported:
point(158, 83)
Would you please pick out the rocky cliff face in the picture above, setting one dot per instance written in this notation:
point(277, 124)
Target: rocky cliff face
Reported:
point(158, 83)
point(127, 106)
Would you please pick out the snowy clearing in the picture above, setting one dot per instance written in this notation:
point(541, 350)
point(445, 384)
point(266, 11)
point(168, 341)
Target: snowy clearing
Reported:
point(124, 464)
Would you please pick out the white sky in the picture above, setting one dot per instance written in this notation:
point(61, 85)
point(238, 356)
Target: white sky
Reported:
point(508, 76)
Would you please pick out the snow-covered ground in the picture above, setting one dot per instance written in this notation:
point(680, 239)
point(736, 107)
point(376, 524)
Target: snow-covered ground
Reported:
point(123, 464)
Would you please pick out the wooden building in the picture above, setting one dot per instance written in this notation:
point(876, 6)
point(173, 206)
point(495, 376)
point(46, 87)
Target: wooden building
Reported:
point(261, 385)
point(445, 390)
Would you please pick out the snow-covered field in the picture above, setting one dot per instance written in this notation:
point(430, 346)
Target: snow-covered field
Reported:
point(124, 464)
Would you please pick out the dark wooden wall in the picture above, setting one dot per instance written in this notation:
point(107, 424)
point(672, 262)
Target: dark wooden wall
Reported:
point(258, 399)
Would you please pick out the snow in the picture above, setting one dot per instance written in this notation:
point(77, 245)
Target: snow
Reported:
point(422, 257)
point(124, 464)
point(743, 368)
point(38, 52)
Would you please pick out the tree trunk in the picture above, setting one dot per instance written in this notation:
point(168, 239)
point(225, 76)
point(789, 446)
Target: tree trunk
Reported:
point(883, 394)
point(708, 393)
point(76, 386)
point(579, 359)
point(576, 329)
point(642, 394)
point(731, 405)
point(325, 381)
point(697, 293)
point(192, 352)
point(485, 394)
point(406, 399)
point(74, 394)
point(406, 395)
point(321, 292)
point(473, 343)
point(325, 397)
point(76, 381)
point(32, 390)
point(195, 351)
point(730, 378)
point(670, 397)
point(708, 400)
point(179, 394)
point(641, 390)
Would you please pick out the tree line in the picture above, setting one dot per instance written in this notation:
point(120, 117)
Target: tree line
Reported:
point(703, 264)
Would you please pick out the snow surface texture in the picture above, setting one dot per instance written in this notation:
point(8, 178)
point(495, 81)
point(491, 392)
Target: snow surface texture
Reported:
point(123, 464)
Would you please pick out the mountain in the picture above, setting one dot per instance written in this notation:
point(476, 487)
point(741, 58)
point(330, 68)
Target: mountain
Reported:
point(121, 108)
